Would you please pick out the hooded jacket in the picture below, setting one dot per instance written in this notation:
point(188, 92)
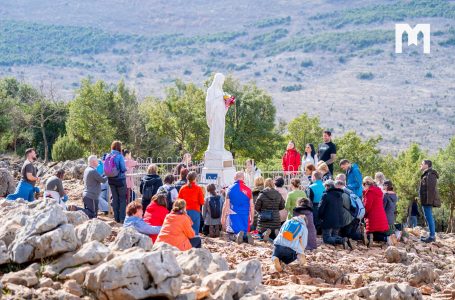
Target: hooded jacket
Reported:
point(390, 206)
point(331, 209)
point(375, 217)
point(354, 180)
point(429, 195)
point(269, 199)
point(152, 180)
point(291, 161)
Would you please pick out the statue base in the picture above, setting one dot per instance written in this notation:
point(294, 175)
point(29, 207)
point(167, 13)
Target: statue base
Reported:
point(218, 168)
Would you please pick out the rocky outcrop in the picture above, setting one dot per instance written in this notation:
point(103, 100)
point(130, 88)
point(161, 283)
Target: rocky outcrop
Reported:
point(128, 238)
point(7, 184)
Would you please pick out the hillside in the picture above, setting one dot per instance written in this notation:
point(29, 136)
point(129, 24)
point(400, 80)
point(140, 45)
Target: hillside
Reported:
point(334, 59)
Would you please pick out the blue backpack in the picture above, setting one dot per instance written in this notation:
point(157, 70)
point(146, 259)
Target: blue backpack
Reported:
point(291, 230)
point(357, 207)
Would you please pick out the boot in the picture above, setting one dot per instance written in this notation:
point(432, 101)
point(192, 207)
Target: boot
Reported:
point(212, 231)
point(217, 230)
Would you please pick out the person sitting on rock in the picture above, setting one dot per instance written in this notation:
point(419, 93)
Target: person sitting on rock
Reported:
point(330, 213)
point(54, 188)
point(156, 212)
point(26, 187)
point(305, 207)
point(134, 219)
point(291, 242)
point(177, 228)
point(268, 206)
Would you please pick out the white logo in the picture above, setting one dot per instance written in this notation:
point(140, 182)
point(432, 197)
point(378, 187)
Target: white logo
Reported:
point(412, 36)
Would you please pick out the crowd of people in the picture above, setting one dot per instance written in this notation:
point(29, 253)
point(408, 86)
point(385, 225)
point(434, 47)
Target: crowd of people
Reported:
point(341, 208)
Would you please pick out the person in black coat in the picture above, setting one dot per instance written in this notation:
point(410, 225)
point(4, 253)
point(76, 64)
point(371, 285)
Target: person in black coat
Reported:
point(150, 184)
point(330, 213)
point(268, 205)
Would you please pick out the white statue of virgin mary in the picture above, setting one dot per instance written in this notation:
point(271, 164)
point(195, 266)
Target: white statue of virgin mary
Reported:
point(216, 110)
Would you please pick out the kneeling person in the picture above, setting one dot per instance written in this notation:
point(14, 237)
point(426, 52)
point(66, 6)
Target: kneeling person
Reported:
point(291, 242)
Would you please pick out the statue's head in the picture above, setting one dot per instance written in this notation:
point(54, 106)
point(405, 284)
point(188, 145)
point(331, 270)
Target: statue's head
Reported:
point(218, 81)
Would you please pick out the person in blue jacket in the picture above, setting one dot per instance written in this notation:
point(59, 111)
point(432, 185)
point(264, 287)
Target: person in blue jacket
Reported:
point(117, 180)
point(353, 177)
point(134, 220)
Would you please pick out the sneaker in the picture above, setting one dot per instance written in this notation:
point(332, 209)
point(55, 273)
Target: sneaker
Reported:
point(348, 242)
point(249, 237)
point(345, 243)
point(239, 238)
point(370, 240)
point(429, 239)
point(277, 264)
point(266, 235)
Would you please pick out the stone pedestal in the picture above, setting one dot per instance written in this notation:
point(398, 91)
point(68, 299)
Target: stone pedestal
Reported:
point(218, 168)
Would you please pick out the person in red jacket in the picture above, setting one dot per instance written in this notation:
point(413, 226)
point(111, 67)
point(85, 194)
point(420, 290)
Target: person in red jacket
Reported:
point(375, 216)
point(156, 212)
point(291, 159)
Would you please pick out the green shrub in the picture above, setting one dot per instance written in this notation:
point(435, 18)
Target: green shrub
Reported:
point(66, 148)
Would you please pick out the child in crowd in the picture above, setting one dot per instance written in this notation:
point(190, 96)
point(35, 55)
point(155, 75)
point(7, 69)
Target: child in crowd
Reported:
point(156, 212)
point(134, 219)
point(211, 211)
point(291, 242)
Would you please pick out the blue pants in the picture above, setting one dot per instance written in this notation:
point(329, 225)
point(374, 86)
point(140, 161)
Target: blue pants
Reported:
point(413, 221)
point(285, 254)
point(24, 190)
point(428, 212)
point(196, 218)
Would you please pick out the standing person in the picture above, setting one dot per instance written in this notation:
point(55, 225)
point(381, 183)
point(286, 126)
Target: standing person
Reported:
point(92, 187)
point(314, 192)
point(182, 179)
point(294, 194)
point(327, 150)
point(268, 206)
point(54, 188)
point(211, 211)
point(177, 230)
point(429, 196)
point(375, 217)
point(291, 242)
point(413, 213)
point(103, 202)
point(251, 172)
point(324, 170)
point(305, 207)
point(130, 164)
point(309, 157)
point(331, 215)
point(156, 212)
point(379, 179)
point(390, 206)
point(169, 190)
point(26, 187)
point(134, 220)
point(238, 210)
point(353, 177)
point(257, 189)
point(150, 184)
point(185, 163)
point(291, 159)
point(194, 198)
point(279, 186)
point(114, 169)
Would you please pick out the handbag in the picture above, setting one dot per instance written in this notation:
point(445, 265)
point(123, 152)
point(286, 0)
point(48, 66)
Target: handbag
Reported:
point(266, 215)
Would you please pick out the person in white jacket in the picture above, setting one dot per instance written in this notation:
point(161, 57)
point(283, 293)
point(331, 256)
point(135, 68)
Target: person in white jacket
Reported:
point(309, 157)
point(251, 173)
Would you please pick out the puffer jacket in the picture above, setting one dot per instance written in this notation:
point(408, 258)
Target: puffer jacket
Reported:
point(269, 199)
point(375, 217)
point(429, 195)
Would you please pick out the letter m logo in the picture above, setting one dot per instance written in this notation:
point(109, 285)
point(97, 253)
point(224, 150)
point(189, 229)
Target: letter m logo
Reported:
point(413, 33)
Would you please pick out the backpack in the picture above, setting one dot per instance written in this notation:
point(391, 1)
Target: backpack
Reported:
point(291, 230)
point(110, 168)
point(168, 193)
point(357, 207)
point(215, 207)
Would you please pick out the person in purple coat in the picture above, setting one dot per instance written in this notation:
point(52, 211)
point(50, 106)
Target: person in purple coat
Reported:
point(305, 207)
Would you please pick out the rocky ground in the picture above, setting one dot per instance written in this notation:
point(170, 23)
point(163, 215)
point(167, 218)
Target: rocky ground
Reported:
point(46, 252)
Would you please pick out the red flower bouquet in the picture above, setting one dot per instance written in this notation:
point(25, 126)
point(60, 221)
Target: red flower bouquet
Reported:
point(228, 100)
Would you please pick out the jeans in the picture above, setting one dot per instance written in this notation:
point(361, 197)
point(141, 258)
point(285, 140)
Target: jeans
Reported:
point(285, 254)
point(413, 221)
point(428, 212)
point(119, 201)
point(90, 207)
point(330, 236)
point(196, 218)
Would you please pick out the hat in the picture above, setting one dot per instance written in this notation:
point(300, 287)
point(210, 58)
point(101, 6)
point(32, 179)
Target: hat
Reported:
point(299, 210)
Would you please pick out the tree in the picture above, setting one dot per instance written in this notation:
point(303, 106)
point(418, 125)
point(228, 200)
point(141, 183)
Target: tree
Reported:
point(250, 122)
point(365, 153)
point(305, 129)
point(67, 148)
point(445, 164)
point(124, 111)
point(89, 120)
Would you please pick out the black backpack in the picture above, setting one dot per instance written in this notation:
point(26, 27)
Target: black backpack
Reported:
point(215, 207)
point(150, 188)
